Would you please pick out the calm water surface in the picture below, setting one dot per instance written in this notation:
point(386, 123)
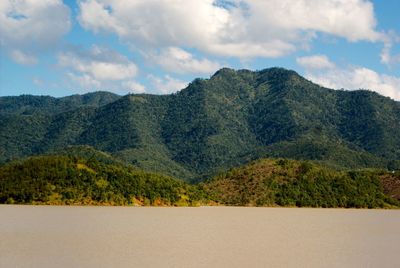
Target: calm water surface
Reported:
point(45, 236)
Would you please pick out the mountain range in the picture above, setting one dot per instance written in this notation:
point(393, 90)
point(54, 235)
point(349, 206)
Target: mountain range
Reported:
point(212, 125)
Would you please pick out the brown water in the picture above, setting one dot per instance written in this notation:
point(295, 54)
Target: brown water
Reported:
point(48, 236)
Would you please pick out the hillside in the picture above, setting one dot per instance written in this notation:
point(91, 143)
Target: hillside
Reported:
point(83, 176)
point(282, 182)
point(212, 125)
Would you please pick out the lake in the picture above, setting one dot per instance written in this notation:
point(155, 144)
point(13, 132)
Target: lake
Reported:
point(51, 236)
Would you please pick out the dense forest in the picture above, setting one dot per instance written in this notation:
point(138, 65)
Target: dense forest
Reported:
point(84, 176)
point(212, 125)
point(194, 147)
point(283, 182)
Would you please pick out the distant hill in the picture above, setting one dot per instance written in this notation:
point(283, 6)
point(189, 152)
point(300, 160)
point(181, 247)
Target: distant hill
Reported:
point(212, 125)
point(29, 104)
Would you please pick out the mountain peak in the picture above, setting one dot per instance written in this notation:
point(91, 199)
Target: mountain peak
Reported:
point(224, 71)
point(213, 124)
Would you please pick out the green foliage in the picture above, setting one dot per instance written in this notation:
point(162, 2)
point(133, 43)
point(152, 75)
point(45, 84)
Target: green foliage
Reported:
point(33, 105)
point(85, 176)
point(212, 125)
point(285, 182)
point(57, 179)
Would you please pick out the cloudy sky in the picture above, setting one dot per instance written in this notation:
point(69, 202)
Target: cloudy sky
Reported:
point(58, 48)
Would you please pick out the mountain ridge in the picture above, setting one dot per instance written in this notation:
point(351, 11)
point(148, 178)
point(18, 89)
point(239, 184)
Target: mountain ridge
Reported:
point(213, 124)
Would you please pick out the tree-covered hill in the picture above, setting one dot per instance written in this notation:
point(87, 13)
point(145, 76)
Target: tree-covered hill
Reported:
point(83, 176)
point(283, 182)
point(212, 125)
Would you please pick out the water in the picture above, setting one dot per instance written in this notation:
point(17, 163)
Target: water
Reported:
point(46, 236)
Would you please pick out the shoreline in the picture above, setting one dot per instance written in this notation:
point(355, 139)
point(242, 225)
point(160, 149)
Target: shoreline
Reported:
point(199, 207)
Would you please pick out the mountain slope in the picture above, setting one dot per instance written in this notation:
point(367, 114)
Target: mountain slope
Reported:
point(212, 125)
point(28, 104)
point(81, 175)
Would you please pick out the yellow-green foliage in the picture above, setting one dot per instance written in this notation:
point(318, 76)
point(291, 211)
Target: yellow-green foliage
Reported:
point(102, 183)
point(83, 166)
point(68, 180)
point(283, 182)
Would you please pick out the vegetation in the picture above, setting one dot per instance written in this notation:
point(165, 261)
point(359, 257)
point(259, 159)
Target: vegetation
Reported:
point(84, 176)
point(209, 127)
point(67, 179)
point(212, 125)
point(101, 148)
point(283, 182)
point(34, 105)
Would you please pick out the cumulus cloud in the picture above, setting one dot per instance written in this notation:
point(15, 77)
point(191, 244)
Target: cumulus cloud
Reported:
point(133, 86)
point(177, 60)
point(22, 58)
point(315, 62)
point(237, 28)
point(100, 68)
point(386, 54)
point(166, 84)
point(29, 27)
point(351, 19)
point(355, 77)
point(153, 22)
point(98, 62)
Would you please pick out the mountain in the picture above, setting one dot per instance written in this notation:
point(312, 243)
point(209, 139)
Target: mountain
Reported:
point(29, 105)
point(212, 125)
point(283, 182)
point(32, 125)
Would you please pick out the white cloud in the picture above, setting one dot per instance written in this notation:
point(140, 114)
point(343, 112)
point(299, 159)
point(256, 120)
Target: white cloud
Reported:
point(177, 60)
point(238, 28)
point(315, 62)
point(37, 81)
point(22, 58)
point(100, 68)
point(99, 63)
point(29, 27)
point(386, 54)
point(355, 77)
point(166, 84)
point(84, 80)
point(153, 22)
point(350, 19)
point(134, 87)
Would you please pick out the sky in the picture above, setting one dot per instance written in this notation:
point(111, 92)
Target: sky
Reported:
point(60, 48)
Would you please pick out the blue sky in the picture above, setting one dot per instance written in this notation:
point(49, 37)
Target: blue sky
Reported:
point(60, 48)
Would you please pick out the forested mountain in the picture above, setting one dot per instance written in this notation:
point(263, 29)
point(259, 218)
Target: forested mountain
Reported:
point(28, 104)
point(212, 125)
